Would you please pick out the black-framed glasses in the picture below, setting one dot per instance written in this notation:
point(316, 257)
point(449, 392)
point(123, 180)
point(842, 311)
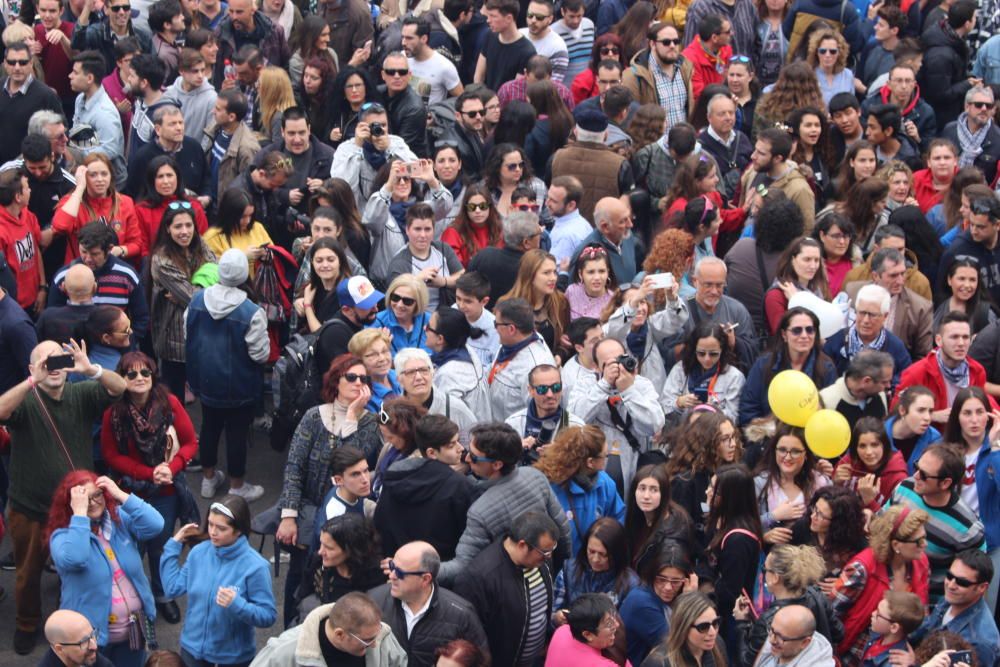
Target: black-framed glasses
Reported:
point(405, 300)
point(542, 389)
point(785, 453)
point(403, 574)
point(546, 553)
point(884, 618)
point(922, 474)
point(144, 372)
point(180, 205)
point(960, 581)
point(782, 638)
point(357, 377)
point(497, 324)
point(982, 105)
point(703, 628)
point(22, 62)
point(97, 498)
point(475, 113)
point(816, 513)
point(120, 8)
point(472, 207)
point(669, 41)
point(434, 331)
point(395, 72)
point(92, 637)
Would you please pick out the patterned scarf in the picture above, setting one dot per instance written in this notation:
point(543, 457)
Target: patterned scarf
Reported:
point(971, 142)
point(854, 344)
point(958, 376)
point(146, 426)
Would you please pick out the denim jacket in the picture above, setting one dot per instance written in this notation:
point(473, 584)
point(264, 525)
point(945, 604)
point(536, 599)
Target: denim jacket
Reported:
point(975, 625)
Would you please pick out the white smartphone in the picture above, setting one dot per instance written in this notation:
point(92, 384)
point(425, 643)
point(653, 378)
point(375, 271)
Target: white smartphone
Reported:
point(663, 280)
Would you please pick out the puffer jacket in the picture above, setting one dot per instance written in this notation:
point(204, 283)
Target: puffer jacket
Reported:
point(466, 380)
point(660, 326)
point(753, 636)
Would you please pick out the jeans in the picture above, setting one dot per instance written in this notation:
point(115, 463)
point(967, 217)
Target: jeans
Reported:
point(236, 422)
point(30, 553)
point(174, 375)
point(166, 505)
point(122, 656)
point(296, 568)
point(191, 661)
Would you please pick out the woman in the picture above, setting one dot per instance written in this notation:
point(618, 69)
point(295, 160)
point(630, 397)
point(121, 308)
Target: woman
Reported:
point(574, 465)
point(952, 213)
point(921, 240)
point(834, 523)
point(810, 131)
point(507, 168)
point(491, 105)
point(931, 184)
point(536, 283)
point(834, 231)
point(236, 228)
point(673, 252)
point(974, 429)
point(352, 88)
point(800, 269)
point(694, 639)
point(650, 510)
point(448, 168)
point(147, 440)
point(648, 610)
point(328, 266)
point(593, 284)
point(397, 418)
point(647, 126)
point(797, 345)
point(335, 193)
point(909, 426)
point(828, 55)
point(477, 225)
point(860, 162)
point(164, 184)
point(312, 41)
point(705, 374)
point(274, 96)
point(461, 653)
point(795, 88)
point(372, 347)
point(95, 198)
point(786, 477)
point(601, 565)
point(745, 88)
point(863, 205)
point(93, 531)
point(591, 624)
point(698, 177)
point(964, 292)
point(870, 467)
point(894, 560)
point(203, 41)
point(633, 28)
point(697, 450)
point(405, 315)
point(899, 177)
point(606, 47)
point(771, 52)
point(222, 572)
point(313, 92)
point(458, 372)
point(517, 120)
point(108, 332)
point(552, 127)
point(177, 253)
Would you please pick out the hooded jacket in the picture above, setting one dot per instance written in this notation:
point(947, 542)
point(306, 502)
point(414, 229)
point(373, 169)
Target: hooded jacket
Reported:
point(794, 184)
point(20, 244)
point(753, 636)
point(586, 500)
point(943, 76)
point(466, 381)
point(197, 105)
point(706, 68)
point(818, 653)
point(927, 373)
point(889, 476)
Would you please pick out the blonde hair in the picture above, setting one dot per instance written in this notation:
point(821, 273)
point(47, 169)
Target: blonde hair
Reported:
point(18, 32)
point(881, 533)
point(276, 95)
point(798, 567)
point(843, 50)
point(364, 339)
point(415, 284)
point(893, 167)
point(569, 452)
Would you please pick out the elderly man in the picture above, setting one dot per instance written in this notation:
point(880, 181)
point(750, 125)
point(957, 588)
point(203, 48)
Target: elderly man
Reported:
point(613, 231)
point(415, 373)
point(910, 316)
point(892, 236)
point(423, 615)
point(730, 147)
point(545, 415)
point(794, 642)
point(975, 133)
point(521, 233)
point(871, 307)
point(603, 173)
point(72, 642)
point(861, 391)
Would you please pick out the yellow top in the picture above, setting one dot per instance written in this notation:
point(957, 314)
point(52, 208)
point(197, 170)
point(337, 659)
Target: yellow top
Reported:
point(256, 236)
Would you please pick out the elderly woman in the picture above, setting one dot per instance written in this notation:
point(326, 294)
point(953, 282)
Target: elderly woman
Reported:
point(404, 316)
point(372, 347)
point(459, 372)
point(416, 376)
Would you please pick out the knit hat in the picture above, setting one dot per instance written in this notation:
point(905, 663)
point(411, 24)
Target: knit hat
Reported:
point(233, 268)
point(590, 119)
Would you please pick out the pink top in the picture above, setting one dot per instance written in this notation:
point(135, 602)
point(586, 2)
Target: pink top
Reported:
point(836, 272)
point(124, 597)
point(564, 651)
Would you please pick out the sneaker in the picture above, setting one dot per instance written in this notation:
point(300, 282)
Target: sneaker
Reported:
point(262, 423)
point(249, 492)
point(210, 486)
point(8, 562)
point(194, 465)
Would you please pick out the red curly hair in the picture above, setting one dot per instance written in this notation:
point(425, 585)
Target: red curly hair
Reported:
point(60, 511)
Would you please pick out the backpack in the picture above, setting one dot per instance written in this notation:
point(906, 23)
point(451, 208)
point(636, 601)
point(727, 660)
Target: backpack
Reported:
point(442, 119)
point(760, 597)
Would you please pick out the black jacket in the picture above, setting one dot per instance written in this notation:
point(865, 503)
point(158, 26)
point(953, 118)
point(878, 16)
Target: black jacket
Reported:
point(407, 118)
point(753, 636)
point(470, 149)
point(190, 160)
point(422, 499)
point(495, 587)
point(943, 78)
point(448, 617)
point(731, 161)
point(499, 265)
point(320, 159)
point(987, 160)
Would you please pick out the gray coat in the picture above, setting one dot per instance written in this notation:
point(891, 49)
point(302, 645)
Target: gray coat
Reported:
point(509, 388)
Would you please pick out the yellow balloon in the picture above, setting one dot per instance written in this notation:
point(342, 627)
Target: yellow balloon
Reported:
point(793, 397)
point(828, 434)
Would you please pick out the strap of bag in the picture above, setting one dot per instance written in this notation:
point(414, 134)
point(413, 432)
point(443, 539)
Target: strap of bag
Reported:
point(740, 531)
point(52, 425)
point(623, 425)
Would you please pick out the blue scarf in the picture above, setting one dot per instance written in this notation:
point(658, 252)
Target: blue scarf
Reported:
point(397, 210)
point(854, 344)
point(508, 351)
point(456, 189)
point(636, 341)
point(533, 423)
point(374, 157)
point(958, 376)
point(444, 356)
point(701, 378)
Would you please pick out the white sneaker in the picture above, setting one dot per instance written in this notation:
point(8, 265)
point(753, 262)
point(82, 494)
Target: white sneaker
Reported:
point(210, 486)
point(249, 492)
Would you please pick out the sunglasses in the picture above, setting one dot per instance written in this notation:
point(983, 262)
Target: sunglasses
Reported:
point(920, 542)
point(740, 59)
point(469, 457)
point(475, 113)
point(798, 331)
point(395, 72)
point(543, 389)
point(538, 17)
point(472, 208)
point(703, 628)
point(514, 166)
point(374, 107)
point(609, 49)
point(120, 8)
point(144, 372)
point(982, 105)
point(406, 301)
point(924, 476)
point(960, 581)
point(403, 574)
point(831, 52)
point(383, 416)
point(527, 207)
point(357, 377)
point(180, 205)
point(22, 62)
point(667, 41)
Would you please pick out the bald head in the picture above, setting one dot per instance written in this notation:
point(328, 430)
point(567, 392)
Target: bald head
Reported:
point(44, 349)
point(80, 284)
point(614, 218)
point(422, 554)
point(65, 625)
point(800, 618)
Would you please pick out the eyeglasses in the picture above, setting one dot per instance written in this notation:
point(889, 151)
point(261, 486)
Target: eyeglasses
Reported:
point(405, 300)
point(498, 323)
point(546, 553)
point(667, 41)
point(472, 458)
point(92, 637)
point(120, 8)
point(475, 113)
point(538, 17)
point(709, 354)
point(97, 498)
point(354, 86)
point(605, 50)
point(366, 644)
point(885, 618)
point(921, 474)
point(21, 62)
point(411, 372)
point(542, 389)
point(982, 105)
point(824, 52)
point(144, 372)
point(180, 205)
point(534, 208)
point(785, 453)
point(740, 59)
point(403, 574)
point(395, 72)
point(818, 514)
point(868, 315)
point(809, 330)
point(357, 377)
point(782, 638)
point(703, 628)
point(472, 208)
point(514, 166)
point(919, 541)
point(960, 581)
point(673, 582)
point(434, 331)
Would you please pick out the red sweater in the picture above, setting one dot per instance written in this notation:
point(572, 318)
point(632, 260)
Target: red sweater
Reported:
point(584, 86)
point(923, 190)
point(732, 218)
point(149, 221)
point(20, 241)
point(124, 222)
point(926, 372)
point(892, 474)
point(55, 61)
point(131, 464)
point(480, 235)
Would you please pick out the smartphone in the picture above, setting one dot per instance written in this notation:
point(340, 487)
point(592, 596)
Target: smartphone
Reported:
point(59, 361)
point(701, 395)
point(413, 168)
point(961, 656)
point(663, 280)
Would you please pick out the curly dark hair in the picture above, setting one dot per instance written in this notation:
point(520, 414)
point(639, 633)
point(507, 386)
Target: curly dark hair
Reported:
point(846, 535)
point(338, 99)
point(823, 147)
point(778, 220)
point(768, 464)
point(357, 537)
point(494, 163)
point(695, 446)
point(647, 125)
point(602, 41)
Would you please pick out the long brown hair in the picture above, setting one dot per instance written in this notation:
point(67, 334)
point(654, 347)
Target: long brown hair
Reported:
point(796, 87)
point(785, 271)
point(463, 225)
point(554, 305)
point(545, 98)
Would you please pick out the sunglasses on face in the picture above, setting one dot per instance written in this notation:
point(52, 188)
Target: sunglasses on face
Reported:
point(542, 389)
point(605, 50)
point(703, 628)
point(960, 581)
point(472, 208)
point(121, 8)
point(21, 62)
point(144, 372)
point(469, 457)
point(395, 72)
point(475, 113)
point(667, 41)
point(982, 105)
point(534, 208)
point(798, 331)
point(919, 473)
point(356, 377)
point(514, 166)
point(708, 354)
point(538, 17)
point(405, 300)
point(403, 574)
point(824, 52)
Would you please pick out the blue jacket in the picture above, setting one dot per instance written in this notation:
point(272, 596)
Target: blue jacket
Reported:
point(645, 617)
point(609, 13)
point(584, 507)
point(987, 486)
point(212, 632)
point(836, 348)
point(975, 625)
point(401, 338)
point(930, 436)
point(85, 571)
point(380, 392)
point(882, 659)
point(753, 402)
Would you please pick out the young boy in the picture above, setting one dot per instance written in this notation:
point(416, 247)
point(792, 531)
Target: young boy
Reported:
point(897, 615)
point(584, 333)
point(472, 293)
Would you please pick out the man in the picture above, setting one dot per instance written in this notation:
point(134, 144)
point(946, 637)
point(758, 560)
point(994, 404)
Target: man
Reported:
point(509, 583)
point(521, 233)
point(21, 97)
point(427, 66)
point(975, 133)
point(373, 144)
point(466, 133)
point(868, 332)
point(742, 14)
point(432, 261)
point(544, 415)
point(709, 52)
point(17, 340)
point(964, 609)
point(20, 241)
point(193, 93)
point(72, 641)
point(609, 75)
point(53, 126)
point(730, 148)
point(570, 228)
point(423, 498)
point(547, 42)
point(506, 51)
point(245, 25)
point(423, 615)
point(166, 21)
point(95, 108)
point(793, 641)
point(249, 63)
point(472, 294)
point(660, 75)
point(521, 349)
point(603, 173)
point(943, 77)
point(613, 231)
point(170, 139)
point(919, 121)
point(229, 144)
point(617, 104)
point(406, 109)
point(583, 333)
point(770, 166)
point(861, 390)
point(892, 236)
point(145, 79)
point(351, 27)
point(473, 29)
point(415, 373)
point(358, 304)
point(876, 58)
point(577, 31)
point(953, 526)
point(884, 129)
point(987, 57)
point(348, 631)
point(101, 36)
point(53, 34)
point(211, 13)
point(59, 323)
point(979, 241)
point(845, 111)
point(39, 460)
point(539, 68)
point(117, 281)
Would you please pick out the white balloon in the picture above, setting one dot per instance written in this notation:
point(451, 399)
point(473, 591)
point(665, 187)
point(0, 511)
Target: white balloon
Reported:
point(832, 317)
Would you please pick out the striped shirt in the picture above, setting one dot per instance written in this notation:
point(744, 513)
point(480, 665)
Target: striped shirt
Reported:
point(114, 286)
point(951, 529)
point(579, 44)
point(537, 617)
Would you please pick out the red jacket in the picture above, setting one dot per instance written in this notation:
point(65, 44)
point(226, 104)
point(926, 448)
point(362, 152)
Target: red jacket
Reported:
point(584, 86)
point(926, 372)
point(732, 218)
point(708, 69)
point(149, 221)
point(20, 241)
point(923, 190)
point(892, 474)
point(124, 222)
point(131, 464)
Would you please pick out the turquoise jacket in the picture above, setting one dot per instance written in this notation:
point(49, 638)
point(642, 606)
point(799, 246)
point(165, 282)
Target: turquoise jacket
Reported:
point(583, 507)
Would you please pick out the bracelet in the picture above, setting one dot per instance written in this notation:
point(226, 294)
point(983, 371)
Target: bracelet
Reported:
point(98, 374)
point(307, 306)
point(44, 287)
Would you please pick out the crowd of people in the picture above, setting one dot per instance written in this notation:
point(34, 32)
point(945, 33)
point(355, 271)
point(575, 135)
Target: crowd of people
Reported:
point(507, 282)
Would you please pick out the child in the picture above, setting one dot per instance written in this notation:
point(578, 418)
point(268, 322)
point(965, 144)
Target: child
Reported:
point(897, 615)
point(472, 293)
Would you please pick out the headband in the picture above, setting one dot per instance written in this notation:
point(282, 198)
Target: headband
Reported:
point(899, 522)
point(222, 509)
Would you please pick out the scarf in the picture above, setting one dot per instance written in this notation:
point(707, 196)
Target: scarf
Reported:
point(970, 142)
point(635, 341)
point(533, 423)
point(854, 344)
point(701, 378)
point(439, 359)
point(507, 352)
point(375, 158)
point(397, 210)
point(958, 376)
point(456, 189)
point(146, 426)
